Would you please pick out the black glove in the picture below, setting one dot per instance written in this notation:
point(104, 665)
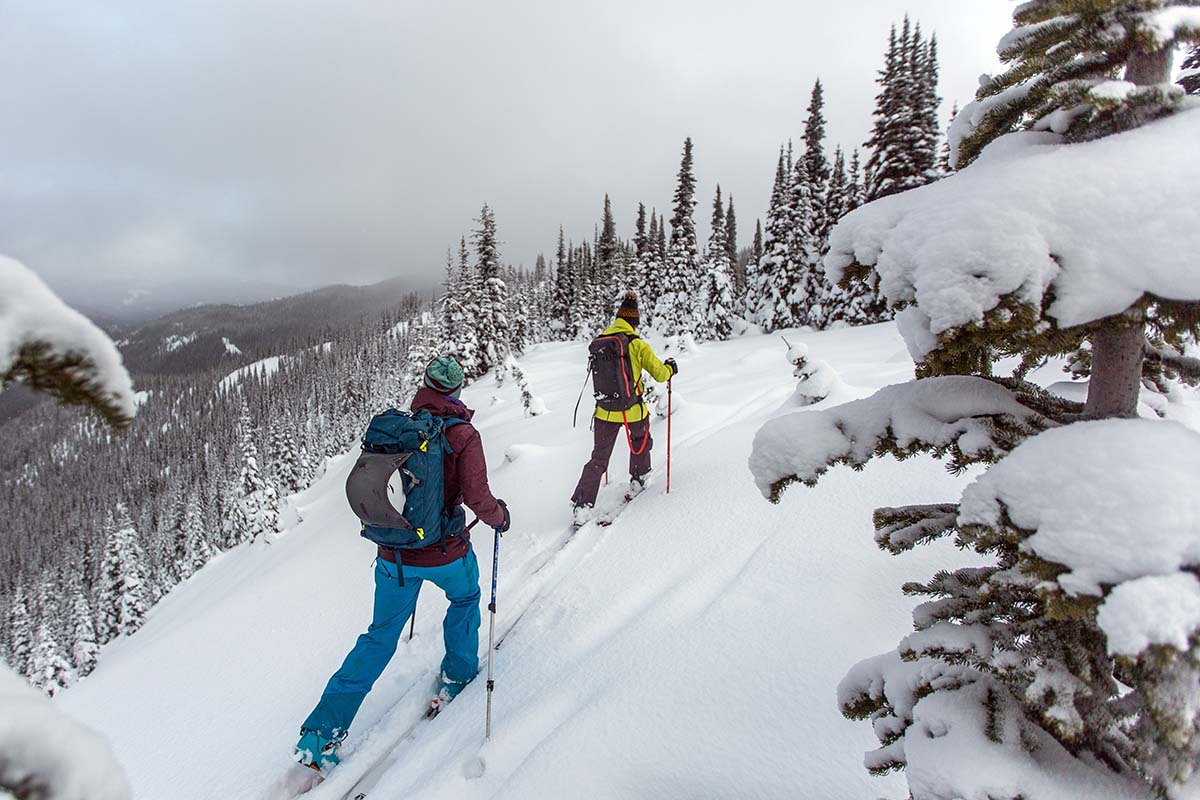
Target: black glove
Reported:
point(670, 362)
point(504, 526)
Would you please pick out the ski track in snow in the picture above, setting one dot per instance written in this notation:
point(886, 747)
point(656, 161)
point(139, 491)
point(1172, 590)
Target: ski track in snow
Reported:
point(690, 649)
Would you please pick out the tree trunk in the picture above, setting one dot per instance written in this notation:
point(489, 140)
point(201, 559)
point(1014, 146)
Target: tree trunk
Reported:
point(1116, 368)
point(1118, 348)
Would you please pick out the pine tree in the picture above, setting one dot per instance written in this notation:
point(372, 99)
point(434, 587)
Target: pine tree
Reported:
point(460, 312)
point(1191, 80)
point(675, 311)
point(49, 669)
point(904, 139)
point(123, 596)
point(816, 166)
point(718, 296)
point(493, 324)
point(255, 513)
point(20, 632)
point(766, 285)
point(85, 649)
point(731, 236)
point(564, 292)
point(757, 250)
point(196, 550)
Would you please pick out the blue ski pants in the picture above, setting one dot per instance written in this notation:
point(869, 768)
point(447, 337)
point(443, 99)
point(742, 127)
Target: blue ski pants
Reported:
point(394, 604)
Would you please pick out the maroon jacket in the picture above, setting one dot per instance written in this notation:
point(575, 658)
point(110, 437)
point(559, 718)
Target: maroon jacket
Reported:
point(465, 480)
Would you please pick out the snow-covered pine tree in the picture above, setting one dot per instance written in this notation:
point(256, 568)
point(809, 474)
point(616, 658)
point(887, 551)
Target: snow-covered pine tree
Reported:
point(926, 106)
point(460, 312)
point(1190, 81)
point(756, 250)
point(650, 269)
point(20, 631)
point(564, 292)
point(794, 277)
point(904, 138)
point(255, 512)
point(765, 294)
point(85, 648)
point(675, 310)
point(718, 299)
point(196, 551)
point(816, 290)
point(493, 322)
point(122, 593)
point(731, 246)
point(1046, 658)
point(49, 669)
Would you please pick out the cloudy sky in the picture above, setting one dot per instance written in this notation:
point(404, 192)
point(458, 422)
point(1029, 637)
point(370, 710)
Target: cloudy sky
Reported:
point(303, 142)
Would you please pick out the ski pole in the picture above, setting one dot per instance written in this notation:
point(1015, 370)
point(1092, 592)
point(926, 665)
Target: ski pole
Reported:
point(492, 634)
point(669, 435)
point(413, 625)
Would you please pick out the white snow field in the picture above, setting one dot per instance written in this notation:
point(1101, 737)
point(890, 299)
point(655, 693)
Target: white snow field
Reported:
point(691, 649)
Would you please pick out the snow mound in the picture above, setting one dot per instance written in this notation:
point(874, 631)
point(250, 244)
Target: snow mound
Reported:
point(49, 755)
point(1093, 492)
point(31, 314)
point(1033, 218)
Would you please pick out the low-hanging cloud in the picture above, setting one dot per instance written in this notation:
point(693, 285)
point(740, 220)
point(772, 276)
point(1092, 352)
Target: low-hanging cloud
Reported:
point(306, 142)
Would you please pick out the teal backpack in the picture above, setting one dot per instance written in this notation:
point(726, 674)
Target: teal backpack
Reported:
point(397, 486)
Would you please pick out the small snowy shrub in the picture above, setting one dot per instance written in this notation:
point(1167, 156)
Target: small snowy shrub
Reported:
point(816, 380)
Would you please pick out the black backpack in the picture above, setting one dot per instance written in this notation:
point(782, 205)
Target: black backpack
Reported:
point(611, 365)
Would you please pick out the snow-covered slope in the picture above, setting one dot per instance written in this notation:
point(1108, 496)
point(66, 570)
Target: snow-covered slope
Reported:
point(692, 649)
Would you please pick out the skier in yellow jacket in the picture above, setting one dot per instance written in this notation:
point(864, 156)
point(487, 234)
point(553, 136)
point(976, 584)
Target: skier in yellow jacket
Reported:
point(607, 425)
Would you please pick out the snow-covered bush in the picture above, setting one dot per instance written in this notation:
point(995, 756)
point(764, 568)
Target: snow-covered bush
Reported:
point(47, 756)
point(816, 379)
point(1063, 662)
point(52, 348)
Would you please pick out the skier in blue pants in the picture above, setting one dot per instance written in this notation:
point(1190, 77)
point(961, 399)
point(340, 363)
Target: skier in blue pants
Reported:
point(400, 574)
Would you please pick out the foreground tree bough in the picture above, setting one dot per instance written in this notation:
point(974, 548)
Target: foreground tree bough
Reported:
point(1067, 663)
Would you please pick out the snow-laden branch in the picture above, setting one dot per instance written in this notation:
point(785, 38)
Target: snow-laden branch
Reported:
point(973, 419)
point(1074, 233)
point(45, 755)
point(53, 348)
point(1110, 500)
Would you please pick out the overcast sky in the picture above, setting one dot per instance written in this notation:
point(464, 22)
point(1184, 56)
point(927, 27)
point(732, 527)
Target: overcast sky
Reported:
point(306, 142)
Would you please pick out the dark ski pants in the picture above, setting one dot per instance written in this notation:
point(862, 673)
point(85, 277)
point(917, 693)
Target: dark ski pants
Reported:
point(394, 604)
point(606, 434)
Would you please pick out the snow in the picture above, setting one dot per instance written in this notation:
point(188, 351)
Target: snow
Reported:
point(1031, 219)
point(689, 650)
point(1093, 492)
point(30, 313)
point(230, 347)
point(1155, 610)
point(262, 369)
point(1167, 24)
point(53, 756)
point(176, 341)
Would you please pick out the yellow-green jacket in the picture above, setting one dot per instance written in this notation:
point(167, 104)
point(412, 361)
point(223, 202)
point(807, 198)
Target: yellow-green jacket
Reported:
point(643, 358)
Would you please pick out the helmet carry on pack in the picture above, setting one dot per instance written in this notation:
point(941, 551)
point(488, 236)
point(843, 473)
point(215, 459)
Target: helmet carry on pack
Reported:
point(397, 488)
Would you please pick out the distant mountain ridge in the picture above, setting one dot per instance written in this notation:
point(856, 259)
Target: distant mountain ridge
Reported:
point(227, 336)
point(203, 337)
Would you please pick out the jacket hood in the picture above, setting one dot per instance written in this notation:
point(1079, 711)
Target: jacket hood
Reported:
point(620, 326)
point(440, 405)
